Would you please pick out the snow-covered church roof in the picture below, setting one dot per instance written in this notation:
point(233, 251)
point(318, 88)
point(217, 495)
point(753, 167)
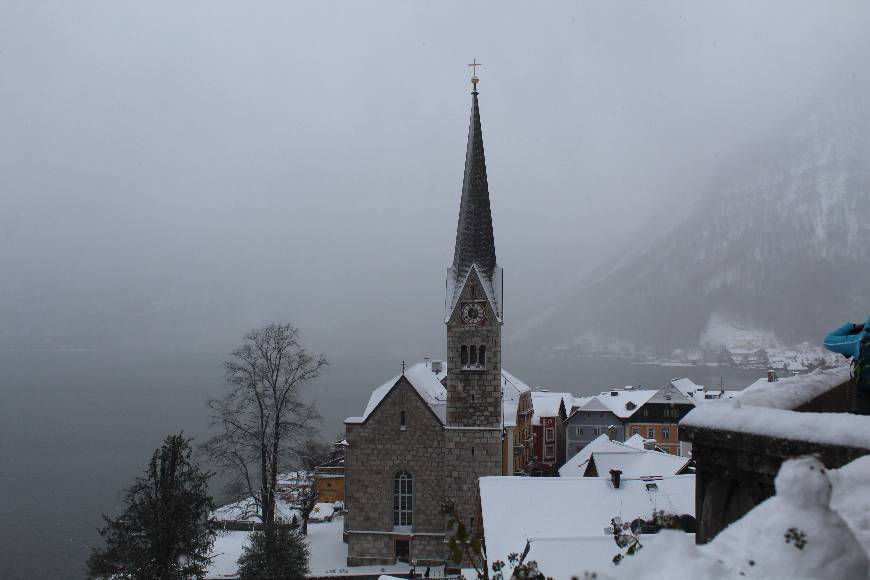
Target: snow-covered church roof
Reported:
point(428, 384)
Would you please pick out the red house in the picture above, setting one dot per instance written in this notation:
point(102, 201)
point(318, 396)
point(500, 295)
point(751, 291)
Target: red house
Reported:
point(548, 432)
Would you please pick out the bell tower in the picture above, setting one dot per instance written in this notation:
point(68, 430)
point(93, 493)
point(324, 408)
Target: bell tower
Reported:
point(473, 315)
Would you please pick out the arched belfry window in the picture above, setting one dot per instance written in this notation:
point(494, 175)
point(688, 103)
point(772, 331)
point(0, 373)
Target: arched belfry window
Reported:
point(481, 355)
point(403, 499)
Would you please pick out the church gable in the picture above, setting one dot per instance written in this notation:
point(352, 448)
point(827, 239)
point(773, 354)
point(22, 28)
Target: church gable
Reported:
point(474, 291)
point(401, 405)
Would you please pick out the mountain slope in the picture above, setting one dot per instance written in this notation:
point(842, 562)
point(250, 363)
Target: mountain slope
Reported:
point(779, 242)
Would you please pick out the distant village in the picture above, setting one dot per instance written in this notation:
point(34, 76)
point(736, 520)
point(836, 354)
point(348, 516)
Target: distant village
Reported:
point(745, 353)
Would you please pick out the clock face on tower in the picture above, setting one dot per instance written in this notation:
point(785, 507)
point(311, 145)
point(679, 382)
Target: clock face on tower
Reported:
point(472, 313)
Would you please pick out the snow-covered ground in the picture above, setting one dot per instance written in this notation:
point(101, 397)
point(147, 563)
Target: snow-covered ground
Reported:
point(327, 551)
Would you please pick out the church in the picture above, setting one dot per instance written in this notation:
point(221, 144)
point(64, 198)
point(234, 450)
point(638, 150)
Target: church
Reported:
point(427, 435)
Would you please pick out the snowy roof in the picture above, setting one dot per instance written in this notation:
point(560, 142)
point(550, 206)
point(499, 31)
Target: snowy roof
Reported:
point(688, 387)
point(670, 394)
point(576, 465)
point(578, 402)
point(636, 441)
point(518, 509)
point(546, 404)
point(644, 463)
point(617, 399)
point(428, 384)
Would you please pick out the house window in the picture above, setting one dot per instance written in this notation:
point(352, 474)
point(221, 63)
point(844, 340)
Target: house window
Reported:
point(596, 431)
point(549, 435)
point(403, 499)
point(481, 355)
point(549, 451)
point(635, 431)
point(402, 420)
point(601, 415)
point(666, 433)
point(645, 412)
point(472, 355)
point(578, 431)
point(651, 433)
point(463, 355)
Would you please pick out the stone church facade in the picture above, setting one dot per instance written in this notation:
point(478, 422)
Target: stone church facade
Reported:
point(427, 435)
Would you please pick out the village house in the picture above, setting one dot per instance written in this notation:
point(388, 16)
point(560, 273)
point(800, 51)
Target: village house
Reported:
point(659, 418)
point(549, 412)
point(516, 445)
point(587, 422)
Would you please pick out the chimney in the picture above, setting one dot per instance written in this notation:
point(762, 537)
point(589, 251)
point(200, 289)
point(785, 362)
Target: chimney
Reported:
point(771, 376)
point(436, 366)
point(614, 477)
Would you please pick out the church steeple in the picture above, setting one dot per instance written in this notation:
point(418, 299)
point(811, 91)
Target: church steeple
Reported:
point(475, 243)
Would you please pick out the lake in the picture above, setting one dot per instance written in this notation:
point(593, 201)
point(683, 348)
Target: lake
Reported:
point(77, 426)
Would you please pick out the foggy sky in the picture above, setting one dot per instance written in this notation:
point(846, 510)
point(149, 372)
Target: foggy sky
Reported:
point(172, 174)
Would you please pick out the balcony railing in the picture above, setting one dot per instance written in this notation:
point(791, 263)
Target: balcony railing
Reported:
point(738, 445)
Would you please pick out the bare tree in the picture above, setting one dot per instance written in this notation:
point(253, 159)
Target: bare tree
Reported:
point(263, 420)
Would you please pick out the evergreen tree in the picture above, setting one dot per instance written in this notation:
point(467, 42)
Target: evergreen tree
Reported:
point(278, 553)
point(165, 532)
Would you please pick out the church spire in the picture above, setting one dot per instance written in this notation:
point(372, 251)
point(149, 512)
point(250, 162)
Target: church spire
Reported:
point(475, 243)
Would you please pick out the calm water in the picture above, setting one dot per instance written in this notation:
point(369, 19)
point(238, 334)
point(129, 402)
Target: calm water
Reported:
point(76, 427)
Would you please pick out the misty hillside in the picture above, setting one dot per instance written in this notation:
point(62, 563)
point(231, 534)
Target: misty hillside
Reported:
point(779, 243)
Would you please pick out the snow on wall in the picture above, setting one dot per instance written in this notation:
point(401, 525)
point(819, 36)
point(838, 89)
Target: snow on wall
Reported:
point(826, 428)
point(764, 409)
point(792, 392)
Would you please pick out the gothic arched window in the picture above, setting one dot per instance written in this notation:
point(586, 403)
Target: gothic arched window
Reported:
point(403, 499)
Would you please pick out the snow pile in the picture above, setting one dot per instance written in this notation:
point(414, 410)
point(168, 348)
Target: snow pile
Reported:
point(794, 533)
point(798, 533)
point(851, 497)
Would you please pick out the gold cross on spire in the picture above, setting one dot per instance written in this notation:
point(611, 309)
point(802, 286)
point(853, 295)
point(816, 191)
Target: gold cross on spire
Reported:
point(474, 79)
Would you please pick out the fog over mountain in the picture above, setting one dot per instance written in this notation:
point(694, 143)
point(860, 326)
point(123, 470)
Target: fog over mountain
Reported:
point(777, 243)
point(172, 175)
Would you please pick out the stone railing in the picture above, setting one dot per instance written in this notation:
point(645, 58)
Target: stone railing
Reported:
point(738, 445)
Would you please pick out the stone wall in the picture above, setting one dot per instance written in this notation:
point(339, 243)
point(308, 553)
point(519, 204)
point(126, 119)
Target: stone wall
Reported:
point(469, 455)
point(378, 449)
